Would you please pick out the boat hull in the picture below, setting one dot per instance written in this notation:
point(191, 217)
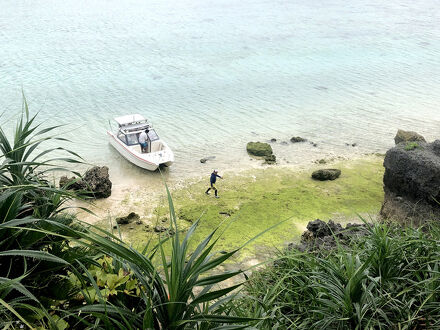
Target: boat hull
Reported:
point(168, 164)
point(140, 160)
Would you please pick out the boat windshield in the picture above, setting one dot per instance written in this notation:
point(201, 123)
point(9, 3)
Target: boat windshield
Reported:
point(132, 139)
point(152, 135)
point(121, 136)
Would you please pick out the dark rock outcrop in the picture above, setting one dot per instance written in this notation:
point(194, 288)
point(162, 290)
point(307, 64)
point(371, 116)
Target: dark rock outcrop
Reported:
point(297, 139)
point(95, 181)
point(271, 159)
point(273, 140)
point(205, 159)
point(412, 182)
point(161, 229)
point(320, 229)
point(70, 183)
point(408, 136)
point(259, 149)
point(128, 219)
point(326, 174)
point(325, 236)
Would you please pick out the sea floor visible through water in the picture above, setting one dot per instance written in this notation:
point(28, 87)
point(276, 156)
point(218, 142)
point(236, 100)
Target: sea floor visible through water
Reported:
point(213, 75)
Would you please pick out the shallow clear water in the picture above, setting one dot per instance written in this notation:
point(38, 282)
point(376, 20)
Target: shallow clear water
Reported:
point(213, 75)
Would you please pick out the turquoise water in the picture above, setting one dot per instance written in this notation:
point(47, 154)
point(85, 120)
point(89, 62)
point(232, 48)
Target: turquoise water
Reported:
point(212, 75)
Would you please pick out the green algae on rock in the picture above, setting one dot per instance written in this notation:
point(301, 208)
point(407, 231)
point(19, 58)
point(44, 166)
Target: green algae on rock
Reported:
point(259, 149)
point(326, 174)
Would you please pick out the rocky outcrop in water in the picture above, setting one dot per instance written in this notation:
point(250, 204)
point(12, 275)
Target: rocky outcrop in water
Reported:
point(412, 182)
point(326, 174)
point(325, 236)
point(95, 182)
point(297, 139)
point(205, 159)
point(408, 136)
point(259, 149)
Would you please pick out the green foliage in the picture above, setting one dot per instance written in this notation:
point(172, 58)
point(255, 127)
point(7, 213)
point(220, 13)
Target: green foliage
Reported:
point(389, 279)
point(126, 289)
point(57, 273)
point(111, 279)
point(411, 146)
point(24, 169)
point(131, 291)
point(32, 263)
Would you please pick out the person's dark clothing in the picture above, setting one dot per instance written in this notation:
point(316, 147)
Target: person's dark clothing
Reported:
point(214, 177)
point(212, 180)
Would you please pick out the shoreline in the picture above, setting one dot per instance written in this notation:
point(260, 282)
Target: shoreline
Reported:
point(151, 185)
point(246, 194)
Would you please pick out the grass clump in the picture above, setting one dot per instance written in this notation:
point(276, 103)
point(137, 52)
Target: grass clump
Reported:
point(411, 146)
point(388, 279)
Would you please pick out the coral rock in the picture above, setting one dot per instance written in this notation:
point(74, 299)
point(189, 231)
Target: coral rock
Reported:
point(408, 136)
point(326, 174)
point(259, 149)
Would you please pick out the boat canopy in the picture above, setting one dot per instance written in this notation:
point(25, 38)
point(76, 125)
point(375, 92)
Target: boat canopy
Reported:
point(130, 120)
point(134, 128)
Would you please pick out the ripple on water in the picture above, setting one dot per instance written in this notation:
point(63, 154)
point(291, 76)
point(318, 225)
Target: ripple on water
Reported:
point(209, 74)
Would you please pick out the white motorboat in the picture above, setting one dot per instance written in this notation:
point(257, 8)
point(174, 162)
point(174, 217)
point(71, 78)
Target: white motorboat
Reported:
point(125, 140)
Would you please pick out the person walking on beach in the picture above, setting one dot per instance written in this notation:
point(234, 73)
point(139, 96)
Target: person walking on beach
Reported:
point(213, 179)
point(143, 138)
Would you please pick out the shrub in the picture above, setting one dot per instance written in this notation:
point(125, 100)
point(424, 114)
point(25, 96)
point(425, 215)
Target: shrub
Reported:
point(32, 263)
point(388, 279)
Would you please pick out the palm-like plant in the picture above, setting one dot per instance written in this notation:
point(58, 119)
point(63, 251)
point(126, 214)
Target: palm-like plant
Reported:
point(37, 255)
point(29, 258)
point(20, 164)
point(180, 292)
point(25, 166)
point(385, 280)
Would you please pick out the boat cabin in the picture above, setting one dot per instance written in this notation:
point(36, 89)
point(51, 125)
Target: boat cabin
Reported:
point(129, 129)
